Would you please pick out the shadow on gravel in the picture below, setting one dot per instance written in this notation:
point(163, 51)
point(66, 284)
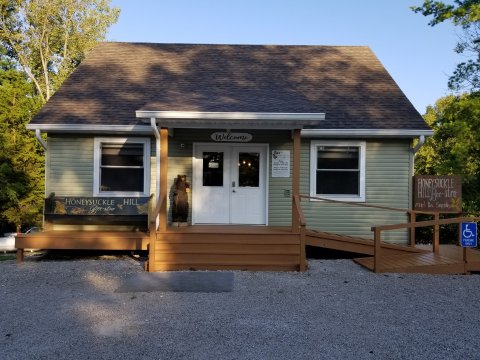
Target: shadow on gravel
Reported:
point(314, 252)
point(79, 255)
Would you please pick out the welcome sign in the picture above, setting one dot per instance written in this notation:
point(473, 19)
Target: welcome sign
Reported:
point(231, 137)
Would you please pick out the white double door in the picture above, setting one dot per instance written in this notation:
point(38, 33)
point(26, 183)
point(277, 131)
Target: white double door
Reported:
point(229, 184)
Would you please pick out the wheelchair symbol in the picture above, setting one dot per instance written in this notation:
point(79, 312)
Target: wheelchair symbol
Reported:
point(467, 233)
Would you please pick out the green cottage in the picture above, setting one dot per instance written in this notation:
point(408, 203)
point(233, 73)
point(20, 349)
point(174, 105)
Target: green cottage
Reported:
point(278, 146)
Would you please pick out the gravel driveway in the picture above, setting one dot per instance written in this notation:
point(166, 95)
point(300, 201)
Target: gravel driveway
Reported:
point(337, 310)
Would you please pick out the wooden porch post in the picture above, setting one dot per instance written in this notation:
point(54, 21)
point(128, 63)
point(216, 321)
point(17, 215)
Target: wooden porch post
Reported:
point(163, 178)
point(412, 218)
point(296, 176)
point(296, 226)
point(436, 234)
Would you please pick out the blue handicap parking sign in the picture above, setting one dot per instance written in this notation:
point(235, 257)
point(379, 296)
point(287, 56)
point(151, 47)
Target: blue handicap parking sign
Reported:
point(469, 234)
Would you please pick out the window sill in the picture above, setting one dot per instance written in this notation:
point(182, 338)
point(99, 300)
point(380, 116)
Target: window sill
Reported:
point(338, 198)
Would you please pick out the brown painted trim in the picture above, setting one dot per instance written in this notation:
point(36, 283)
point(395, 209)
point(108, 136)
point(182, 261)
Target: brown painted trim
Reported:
point(163, 178)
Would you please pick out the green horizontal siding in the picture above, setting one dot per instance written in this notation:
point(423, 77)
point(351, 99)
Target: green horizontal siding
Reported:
point(69, 170)
point(70, 173)
point(387, 182)
point(69, 167)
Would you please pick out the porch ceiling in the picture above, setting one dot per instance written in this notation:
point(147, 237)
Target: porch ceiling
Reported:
point(231, 120)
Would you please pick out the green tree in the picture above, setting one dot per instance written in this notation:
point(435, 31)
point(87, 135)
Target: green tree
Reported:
point(466, 14)
point(49, 38)
point(21, 158)
point(454, 149)
point(41, 43)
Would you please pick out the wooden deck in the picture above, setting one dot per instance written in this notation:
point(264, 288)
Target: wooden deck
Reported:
point(449, 260)
point(203, 247)
point(398, 258)
point(84, 240)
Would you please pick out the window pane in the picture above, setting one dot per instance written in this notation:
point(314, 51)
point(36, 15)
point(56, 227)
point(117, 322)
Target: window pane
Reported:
point(336, 157)
point(338, 182)
point(122, 154)
point(121, 179)
point(213, 169)
point(248, 169)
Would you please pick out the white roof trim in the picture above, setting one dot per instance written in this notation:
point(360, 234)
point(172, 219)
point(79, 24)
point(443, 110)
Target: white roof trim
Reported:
point(232, 120)
point(85, 128)
point(365, 133)
point(201, 115)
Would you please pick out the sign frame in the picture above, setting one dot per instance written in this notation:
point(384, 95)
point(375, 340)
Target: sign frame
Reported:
point(437, 193)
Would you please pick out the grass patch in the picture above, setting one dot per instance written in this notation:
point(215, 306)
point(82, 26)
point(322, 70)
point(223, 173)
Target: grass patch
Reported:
point(5, 257)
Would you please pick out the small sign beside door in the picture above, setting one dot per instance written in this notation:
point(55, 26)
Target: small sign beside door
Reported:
point(281, 163)
point(231, 137)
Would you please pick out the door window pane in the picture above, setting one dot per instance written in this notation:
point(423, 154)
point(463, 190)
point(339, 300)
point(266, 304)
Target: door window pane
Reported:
point(213, 169)
point(248, 169)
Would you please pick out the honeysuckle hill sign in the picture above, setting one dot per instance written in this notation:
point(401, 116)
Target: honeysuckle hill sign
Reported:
point(92, 206)
point(231, 137)
point(437, 193)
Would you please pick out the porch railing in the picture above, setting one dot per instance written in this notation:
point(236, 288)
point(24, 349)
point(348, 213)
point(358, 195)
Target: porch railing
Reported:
point(377, 230)
point(412, 214)
point(157, 220)
point(299, 226)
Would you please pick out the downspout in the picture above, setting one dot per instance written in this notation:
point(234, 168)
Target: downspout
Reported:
point(421, 141)
point(153, 123)
point(42, 142)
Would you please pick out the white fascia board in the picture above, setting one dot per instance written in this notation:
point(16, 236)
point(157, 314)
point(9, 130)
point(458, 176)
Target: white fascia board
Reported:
point(201, 115)
point(94, 129)
point(364, 133)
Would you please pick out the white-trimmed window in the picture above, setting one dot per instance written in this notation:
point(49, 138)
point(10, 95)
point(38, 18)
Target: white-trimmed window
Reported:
point(337, 170)
point(121, 167)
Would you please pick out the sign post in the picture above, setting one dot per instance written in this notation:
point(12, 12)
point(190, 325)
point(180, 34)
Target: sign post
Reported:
point(468, 234)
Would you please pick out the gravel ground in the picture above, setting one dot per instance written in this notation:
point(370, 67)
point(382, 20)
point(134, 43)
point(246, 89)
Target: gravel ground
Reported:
point(336, 310)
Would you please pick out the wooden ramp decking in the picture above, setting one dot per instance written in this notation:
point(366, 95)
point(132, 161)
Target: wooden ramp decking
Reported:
point(398, 258)
point(354, 244)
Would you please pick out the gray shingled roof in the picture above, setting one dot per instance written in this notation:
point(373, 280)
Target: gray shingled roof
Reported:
point(348, 83)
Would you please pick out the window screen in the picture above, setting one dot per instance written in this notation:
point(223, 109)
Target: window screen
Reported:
point(122, 167)
point(338, 170)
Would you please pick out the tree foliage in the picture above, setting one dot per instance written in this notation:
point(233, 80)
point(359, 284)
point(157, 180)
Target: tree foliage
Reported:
point(49, 38)
point(466, 14)
point(21, 159)
point(454, 149)
point(41, 43)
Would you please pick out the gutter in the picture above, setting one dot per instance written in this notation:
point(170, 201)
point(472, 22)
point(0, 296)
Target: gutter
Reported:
point(38, 135)
point(421, 141)
point(153, 124)
point(365, 133)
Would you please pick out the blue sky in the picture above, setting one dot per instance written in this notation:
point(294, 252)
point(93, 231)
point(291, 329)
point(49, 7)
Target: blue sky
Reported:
point(420, 58)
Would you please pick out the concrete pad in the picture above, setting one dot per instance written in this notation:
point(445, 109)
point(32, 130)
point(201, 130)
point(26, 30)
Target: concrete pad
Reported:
point(179, 281)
